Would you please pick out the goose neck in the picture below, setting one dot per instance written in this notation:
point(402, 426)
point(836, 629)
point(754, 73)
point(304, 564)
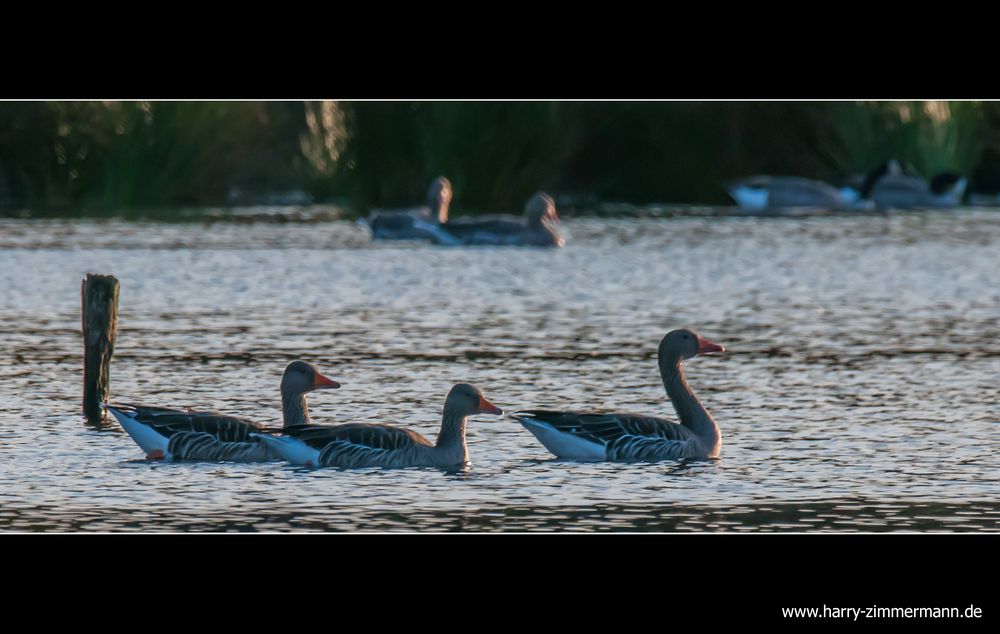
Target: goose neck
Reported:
point(439, 212)
point(294, 410)
point(452, 431)
point(690, 412)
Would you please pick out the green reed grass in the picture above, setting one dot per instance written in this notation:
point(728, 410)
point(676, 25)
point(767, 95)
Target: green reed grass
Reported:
point(106, 157)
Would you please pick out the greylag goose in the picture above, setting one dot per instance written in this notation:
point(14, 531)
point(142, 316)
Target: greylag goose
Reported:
point(538, 227)
point(420, 223)
point(627, 437)
point(890, 186)
point(178, 435)
point(375, 445)
point(762, 193)
point(894, 189)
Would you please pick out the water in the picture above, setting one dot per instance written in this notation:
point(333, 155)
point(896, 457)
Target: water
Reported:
point(859, 390)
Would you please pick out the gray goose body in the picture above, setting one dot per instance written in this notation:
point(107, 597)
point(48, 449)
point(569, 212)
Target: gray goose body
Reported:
point(903, 191)
point(418, 223)
point(538, 227)
point(630, 437)
point(192, 435)
point(359, 445)
point(761, 193)
point(187, 435)
point(890, 186)
point(624, 437)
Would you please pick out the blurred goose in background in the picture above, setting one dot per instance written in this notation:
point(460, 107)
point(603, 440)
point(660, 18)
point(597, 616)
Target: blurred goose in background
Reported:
point(539, 226)
point(627, 437)
point(178, 435)
point(762, 193)
point(418, 223)
point(374, 445)
point(890, 187)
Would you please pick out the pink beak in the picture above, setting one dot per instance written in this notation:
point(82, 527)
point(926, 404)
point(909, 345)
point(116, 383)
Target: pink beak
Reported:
point(323, 383)
point(704, 345)
point(485, 407)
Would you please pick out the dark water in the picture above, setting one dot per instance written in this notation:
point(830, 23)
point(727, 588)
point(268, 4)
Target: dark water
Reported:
point(860, 390)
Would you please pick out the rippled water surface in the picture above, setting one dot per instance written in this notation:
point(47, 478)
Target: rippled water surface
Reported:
point(860, 389)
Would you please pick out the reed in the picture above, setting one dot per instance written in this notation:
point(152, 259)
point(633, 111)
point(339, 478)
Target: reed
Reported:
point(496, 154)
point(112, 157)
point(928, 137)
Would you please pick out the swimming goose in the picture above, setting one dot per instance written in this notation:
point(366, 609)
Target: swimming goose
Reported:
point(627, 437)
point(178, 435)
point(420, 223)
point(375, 445)
point(539, 226)
point(890, 186)
point(905, 191)
point(761, 193)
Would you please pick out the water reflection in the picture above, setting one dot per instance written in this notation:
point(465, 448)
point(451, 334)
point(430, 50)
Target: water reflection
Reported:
point(858, 391)
point(832, 516)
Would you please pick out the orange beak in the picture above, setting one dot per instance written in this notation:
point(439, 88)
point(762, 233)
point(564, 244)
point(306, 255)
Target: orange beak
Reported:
point(485, 407)
point(323, 383)
point(704, 345)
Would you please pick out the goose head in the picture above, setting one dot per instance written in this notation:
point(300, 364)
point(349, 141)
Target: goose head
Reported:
point(465, 400)
point(685, 344)
point(539, 209)
point(439, 198)
point(301, 377)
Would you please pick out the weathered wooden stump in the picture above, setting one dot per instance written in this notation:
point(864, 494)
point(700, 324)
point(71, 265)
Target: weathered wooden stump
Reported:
point(99, 301)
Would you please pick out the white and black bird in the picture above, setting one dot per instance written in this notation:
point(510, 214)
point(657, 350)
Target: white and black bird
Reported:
point(537, 227)
point(357, 445)
point(630, 437)
point(185, 435)
point(418, 223)
point(767, 193)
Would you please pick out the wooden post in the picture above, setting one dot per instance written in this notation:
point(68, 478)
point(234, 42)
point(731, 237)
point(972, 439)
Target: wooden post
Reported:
point(99, 301)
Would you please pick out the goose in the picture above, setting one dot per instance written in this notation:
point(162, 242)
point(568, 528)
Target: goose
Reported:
point(539, 226)
point(420, 223)
point(906, 191)
point(890, 186)
point(178, 435)
point(356, 445)
point(762, 193)
point(628, 437)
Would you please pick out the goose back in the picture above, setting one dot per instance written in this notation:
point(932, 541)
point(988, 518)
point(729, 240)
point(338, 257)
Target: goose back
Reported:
point(200, 435)
point(625, 437)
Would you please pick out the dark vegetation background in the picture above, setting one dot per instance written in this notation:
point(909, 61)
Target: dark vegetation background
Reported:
point(73, 158)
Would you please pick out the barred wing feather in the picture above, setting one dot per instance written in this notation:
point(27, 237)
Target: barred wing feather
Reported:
point(624, 436)
point(357, 444)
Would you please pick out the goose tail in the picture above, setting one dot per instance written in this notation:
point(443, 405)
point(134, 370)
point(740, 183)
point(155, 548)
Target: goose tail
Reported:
point(560, 443)
point(155, 444)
